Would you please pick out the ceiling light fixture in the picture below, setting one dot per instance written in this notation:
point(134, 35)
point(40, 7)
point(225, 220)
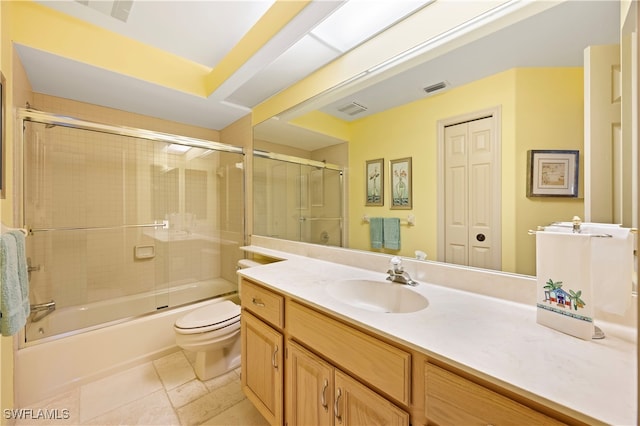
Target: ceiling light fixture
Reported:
point(175, 148)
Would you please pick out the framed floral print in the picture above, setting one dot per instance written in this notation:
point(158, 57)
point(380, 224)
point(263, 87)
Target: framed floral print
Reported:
point(401, 184)
point(375, 179)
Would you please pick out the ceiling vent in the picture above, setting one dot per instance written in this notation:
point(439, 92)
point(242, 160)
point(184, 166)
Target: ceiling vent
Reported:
point(352, 108)
point(436, 87)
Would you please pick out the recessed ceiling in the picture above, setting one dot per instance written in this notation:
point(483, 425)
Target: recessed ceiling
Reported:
point(556, 37)
point(206, 32)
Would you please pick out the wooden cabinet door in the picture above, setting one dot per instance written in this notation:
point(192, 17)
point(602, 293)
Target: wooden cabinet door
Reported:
point(262, 367)
point(454, 400)
point(355, 404)
point(309, 388)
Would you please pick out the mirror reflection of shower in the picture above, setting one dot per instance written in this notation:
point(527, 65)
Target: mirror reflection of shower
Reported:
point(297, 199)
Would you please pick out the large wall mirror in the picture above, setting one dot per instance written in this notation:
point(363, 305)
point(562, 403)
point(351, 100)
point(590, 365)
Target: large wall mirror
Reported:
point(528, 77)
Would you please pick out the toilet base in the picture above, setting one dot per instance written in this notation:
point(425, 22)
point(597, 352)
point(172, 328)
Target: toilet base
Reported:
point(214, 363)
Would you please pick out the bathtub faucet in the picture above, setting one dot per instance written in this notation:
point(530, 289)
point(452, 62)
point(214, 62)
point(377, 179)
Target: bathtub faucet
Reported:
point(41, 310)
point(397, 274)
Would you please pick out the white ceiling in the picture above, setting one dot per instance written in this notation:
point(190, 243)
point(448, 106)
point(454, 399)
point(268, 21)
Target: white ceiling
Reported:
point(205, 31)
point(556, 37)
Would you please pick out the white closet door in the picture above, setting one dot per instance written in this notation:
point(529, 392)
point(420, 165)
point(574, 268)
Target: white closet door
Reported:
point(470, 205)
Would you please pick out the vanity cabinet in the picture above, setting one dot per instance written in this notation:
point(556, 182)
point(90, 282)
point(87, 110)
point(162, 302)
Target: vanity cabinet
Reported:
point(262, 378)
point(385, 367)
point(310, 387)
point(453, 400)
point(320, 394)
point(339, 374)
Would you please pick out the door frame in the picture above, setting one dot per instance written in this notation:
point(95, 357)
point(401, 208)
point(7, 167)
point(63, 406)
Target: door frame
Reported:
point(496, 113)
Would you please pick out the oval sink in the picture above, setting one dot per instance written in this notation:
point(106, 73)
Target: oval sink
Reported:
point(377, 296)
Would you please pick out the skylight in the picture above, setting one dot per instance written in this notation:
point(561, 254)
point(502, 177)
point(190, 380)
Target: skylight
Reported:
point(118, 9)
point(358, 20)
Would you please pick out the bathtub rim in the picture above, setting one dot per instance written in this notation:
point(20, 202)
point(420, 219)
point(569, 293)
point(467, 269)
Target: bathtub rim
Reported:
point(22, 334)
point(37, 389)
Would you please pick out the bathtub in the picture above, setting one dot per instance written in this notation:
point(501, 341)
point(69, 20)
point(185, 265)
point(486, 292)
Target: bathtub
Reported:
point(74, 319)
point(55, 364)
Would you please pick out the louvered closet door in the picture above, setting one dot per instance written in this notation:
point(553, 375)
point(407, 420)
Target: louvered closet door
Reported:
point(469, 188)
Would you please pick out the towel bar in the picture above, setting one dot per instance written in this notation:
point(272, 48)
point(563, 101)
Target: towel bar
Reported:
point(92, 228)
point(411, 220)
point(541, 228)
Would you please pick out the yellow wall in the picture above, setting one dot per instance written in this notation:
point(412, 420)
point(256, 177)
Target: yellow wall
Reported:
point(550, 115)
point(322, 122)
point(541, 108)
point(6, 343)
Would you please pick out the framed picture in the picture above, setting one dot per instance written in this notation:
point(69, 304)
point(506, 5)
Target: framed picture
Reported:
point(552, 173)
point(3, 130)
point(401, 184)
point(375, 179)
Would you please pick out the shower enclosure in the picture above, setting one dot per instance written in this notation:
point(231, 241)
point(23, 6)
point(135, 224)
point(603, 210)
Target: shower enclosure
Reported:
point(297, 199)
point(124, 222)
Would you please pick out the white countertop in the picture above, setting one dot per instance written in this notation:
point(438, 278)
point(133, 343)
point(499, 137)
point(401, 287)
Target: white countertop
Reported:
point(495, 339)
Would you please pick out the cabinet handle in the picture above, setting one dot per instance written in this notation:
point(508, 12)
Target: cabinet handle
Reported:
point(273, 359)
point(257, 302)
point(324, 395)
point(336, 407)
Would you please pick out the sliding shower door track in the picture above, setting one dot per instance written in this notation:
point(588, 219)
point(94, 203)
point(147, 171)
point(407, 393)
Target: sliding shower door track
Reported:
point(96, 228)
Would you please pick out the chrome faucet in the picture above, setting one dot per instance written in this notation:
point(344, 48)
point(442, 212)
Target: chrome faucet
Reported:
point(397, 274)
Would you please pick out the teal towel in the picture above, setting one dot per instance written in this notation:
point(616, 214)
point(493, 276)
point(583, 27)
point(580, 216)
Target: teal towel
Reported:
point(14, 283)
point(375, 230)
point(391, 233)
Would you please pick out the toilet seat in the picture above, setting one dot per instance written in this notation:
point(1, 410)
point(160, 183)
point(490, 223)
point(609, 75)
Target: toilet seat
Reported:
point(216, 316)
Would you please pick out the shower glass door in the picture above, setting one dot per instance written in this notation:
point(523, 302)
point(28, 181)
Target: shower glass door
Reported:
point(122, 226)
point(297, 199)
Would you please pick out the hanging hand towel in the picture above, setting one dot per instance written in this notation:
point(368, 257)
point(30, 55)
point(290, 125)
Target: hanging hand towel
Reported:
point(564, 290)
point(391, 233)
point(14, 285)
point(375, 232)
point(611, 267)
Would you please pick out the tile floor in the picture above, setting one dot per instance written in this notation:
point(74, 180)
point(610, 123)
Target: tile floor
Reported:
point(163, 392)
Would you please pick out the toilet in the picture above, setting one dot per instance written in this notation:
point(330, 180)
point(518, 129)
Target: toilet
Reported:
point(213, 333)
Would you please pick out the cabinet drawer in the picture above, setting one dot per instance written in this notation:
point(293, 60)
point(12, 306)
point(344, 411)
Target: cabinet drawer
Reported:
point(263, 303)
point(454, 400)
point(379, 364)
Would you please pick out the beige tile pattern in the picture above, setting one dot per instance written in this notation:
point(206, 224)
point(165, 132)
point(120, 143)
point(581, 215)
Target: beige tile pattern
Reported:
point(163, 392)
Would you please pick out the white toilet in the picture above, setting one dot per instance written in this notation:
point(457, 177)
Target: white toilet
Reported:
point(213, 332)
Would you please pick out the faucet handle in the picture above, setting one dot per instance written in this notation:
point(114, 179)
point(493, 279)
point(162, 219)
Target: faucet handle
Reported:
point(396, 263)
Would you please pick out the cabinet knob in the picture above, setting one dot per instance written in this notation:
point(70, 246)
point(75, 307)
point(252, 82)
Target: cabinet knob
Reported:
point(257, 302)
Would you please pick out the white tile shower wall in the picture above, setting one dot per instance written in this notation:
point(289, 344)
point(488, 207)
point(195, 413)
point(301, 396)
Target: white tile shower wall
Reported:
point(102, 184)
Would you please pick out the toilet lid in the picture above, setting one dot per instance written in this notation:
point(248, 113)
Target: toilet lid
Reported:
point(216, 313)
